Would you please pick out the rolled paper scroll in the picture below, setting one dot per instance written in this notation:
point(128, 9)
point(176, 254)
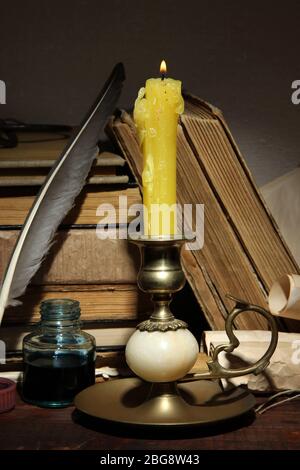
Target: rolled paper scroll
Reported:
point(284, 297)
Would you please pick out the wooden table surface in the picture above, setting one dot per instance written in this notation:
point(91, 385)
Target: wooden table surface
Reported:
point(32, 428)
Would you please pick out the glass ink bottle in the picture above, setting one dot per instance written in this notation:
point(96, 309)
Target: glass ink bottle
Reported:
point(59, 358)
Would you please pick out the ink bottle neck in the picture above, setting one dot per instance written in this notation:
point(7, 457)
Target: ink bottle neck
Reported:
point(60, 314)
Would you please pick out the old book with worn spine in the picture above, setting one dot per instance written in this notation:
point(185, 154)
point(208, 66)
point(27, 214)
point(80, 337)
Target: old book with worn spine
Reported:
point(243, 252)
point(28, 163)
point(100, 302)
point(79, 257)
point(16, 202)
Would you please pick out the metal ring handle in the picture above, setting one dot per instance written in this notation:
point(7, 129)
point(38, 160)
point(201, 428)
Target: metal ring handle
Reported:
point(217, 371)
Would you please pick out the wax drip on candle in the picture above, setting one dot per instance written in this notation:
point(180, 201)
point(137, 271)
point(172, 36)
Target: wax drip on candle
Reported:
point(163, 69)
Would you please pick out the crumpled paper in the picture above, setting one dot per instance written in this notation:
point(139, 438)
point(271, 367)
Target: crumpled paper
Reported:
point(283, 371)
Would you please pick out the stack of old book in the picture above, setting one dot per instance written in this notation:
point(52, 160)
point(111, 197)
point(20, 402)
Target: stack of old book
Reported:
point(101, 274)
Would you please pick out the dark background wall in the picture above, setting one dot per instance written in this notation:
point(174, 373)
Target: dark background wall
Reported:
point(242, 56)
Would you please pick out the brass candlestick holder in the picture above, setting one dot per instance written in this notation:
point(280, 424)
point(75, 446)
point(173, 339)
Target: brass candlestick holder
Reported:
point(162, 351)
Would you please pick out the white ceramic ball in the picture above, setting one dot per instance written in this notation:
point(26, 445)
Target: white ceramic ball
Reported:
point(161, 356)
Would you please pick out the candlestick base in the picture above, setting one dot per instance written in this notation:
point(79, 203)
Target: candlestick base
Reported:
point(135, 402)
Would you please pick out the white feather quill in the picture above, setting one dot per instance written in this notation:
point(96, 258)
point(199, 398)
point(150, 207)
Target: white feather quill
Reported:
point(56, 196)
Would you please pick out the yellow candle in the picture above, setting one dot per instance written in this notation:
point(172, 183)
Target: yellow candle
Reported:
point(156, 116)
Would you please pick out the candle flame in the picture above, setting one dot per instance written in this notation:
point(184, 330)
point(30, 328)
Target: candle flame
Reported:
point(163, 67)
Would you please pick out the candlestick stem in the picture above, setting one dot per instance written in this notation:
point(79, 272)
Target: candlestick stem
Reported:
point(161, 275)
